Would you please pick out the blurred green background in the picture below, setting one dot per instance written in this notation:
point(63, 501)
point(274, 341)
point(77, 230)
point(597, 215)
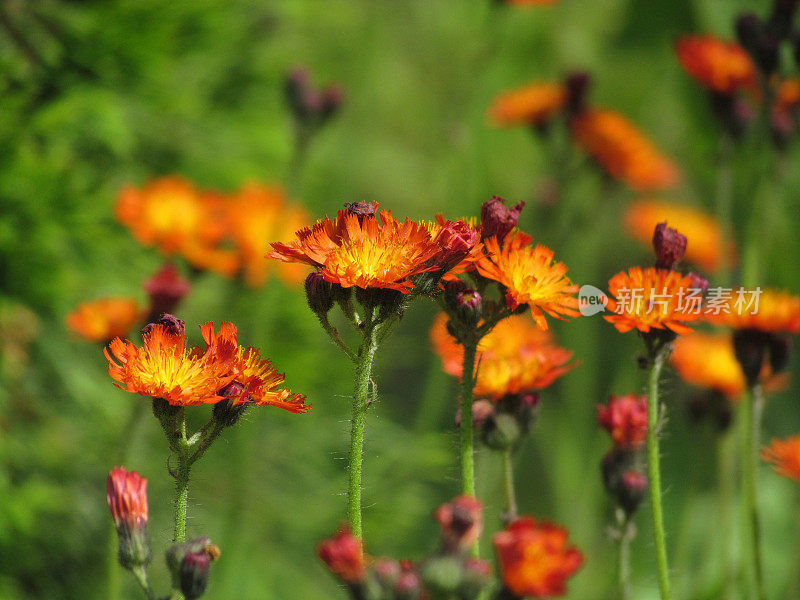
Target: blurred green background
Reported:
point(102, 93)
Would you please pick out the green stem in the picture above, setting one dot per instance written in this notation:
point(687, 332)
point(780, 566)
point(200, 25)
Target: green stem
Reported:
point(140, 573)
point(724, 192)
point(181, 481)
point(726, 463)
point(654, 468)
point(751, 426)
point(365, 359)
point(511, 496)
point(467, 441)
point(333, 333)
point(625, 537)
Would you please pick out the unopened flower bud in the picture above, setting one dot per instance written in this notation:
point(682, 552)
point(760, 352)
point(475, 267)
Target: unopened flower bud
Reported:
point(387, 571)
point(191, 576)
point(780, 349)
point(497, 220)
point(362, 209)
point(698, 283)
point(227, 412)
point(194, 574)
point(319, 293)
point(171, 324)
point(442, 574)
point(476, 577)
point(296, 88)
point(332, 98)
point(455, 240)
point(750, 347)
point(614, 464)
point(166, 289)
point(409, 585)
point(126, 493)
point(461, 521)
point(782, 128)
point(631, 491)
point(670, 246)
point(344, 556)
point(501, 431)
point(625, 419)
point(577, 85)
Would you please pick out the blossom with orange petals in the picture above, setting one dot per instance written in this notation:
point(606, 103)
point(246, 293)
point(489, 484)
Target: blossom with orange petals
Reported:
point(708, 361)
point(103, 320)
point(535, 559)
point(625, 419)
point(257, 215)
point(706, 248)
point(530, 105)
point(621, 149)
point(653, 298)
point(722, 67)
point(515, 357)
point(173, 215)
point(785, 456)
point(344, 556)
point(530, 276)
point(768, 310)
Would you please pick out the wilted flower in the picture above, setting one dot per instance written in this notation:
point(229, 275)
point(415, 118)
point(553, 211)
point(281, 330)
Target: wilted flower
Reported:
point(103, 320)
point(497, 219)
point(669, 245)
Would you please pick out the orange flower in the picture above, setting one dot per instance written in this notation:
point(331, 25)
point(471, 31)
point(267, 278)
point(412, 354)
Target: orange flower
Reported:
point(104, 319)
point(534, 558)
point(531, 277)
point(257, 215)
point(625, 419)
point(530, 105)
point(254, 378)
point(785, 456)
point(787, 97)
point(515, 357)
point(723, 67)
point(766, 310)
point(652, 298)
point(171, 214)
point(621, 149)
point(706, 247)
point(708, 361)
point(164, 368)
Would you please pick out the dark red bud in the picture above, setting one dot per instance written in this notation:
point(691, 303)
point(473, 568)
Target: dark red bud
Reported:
point(670, 246)
point(577, 84)
point(497, 220)
point(172, 325)
point(194, 574)
point(166, 289)
point(632, 488)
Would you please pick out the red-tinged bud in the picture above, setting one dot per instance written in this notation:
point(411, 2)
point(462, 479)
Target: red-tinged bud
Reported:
point(319, 293)
point(698, 283)
point(497, 220)
point(332, 99)
point(227, 412)
point(455, 240)
point(409, 585)
point(631, 491)
point(615, 462)
point(387, 572)
point(344, 556)
point(362, 209)
point(194, 574)
point(126, 493)
point(171, 324)
point(577, 85)
point(750, 347)
point(296, 88)
point(481, 411)
point(670, 246)
point(625, 419)
point(461, 521)
point(166, 289)
point(782, 127)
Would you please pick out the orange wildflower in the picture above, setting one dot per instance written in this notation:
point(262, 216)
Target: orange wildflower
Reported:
point(531, 277)
point(785, 456)
point(254, 378)
point(257, 215)
point(787, 97)
point(530, 105)
point(174, 216)
point(722, 67)
point(534, 558)
point(513, 358)
point(708, 361)
point(652, 298)
point(103, 320)
point(706, 248)
point(769, 311)
point(621, 149)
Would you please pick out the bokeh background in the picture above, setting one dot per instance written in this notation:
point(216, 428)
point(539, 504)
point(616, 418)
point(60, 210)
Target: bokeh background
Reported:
point(97, 94)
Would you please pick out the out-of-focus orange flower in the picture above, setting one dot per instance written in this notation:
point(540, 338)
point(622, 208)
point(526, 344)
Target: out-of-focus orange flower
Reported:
point(708, 361)
point(621, 149)
point(515, 357)
point(723, 67)
point(652, 298)
point(769, 311)
point(706, 247)
point(531, 277)
point(625, 419)
point(787, 97)
point(257, 215)
point(535, 559)
point(174, 216)
point(367, 252)
point(344, 556)
point(255, 379)
point(785, 456)
point(103, 320)
point(530, 105)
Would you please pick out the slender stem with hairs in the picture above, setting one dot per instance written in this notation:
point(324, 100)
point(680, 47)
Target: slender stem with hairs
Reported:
point(508, 475)
point(626, 533)
point(752, 407)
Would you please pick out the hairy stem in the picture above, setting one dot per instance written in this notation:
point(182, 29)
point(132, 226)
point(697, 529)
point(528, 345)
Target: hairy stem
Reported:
point(625, 537)
point(182, 483)
point(511, 496)
point(654, 468)
point(751, 426)
point(467, 436)
point(333, 333)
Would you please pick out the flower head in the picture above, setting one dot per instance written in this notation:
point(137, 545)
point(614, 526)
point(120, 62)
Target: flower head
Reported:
point(651, 298)
point(344, 556)
point(785, 456)
point(722, 67)
point(769, 311)
point(126, 493)
point(531, 276)
point(533, 104)
point(621, 149)
point(103, 320)
point(708, 361)
point(497, 219)
point(706, 246)
point(625, 419)
point(515, 357)
point(535, 559)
